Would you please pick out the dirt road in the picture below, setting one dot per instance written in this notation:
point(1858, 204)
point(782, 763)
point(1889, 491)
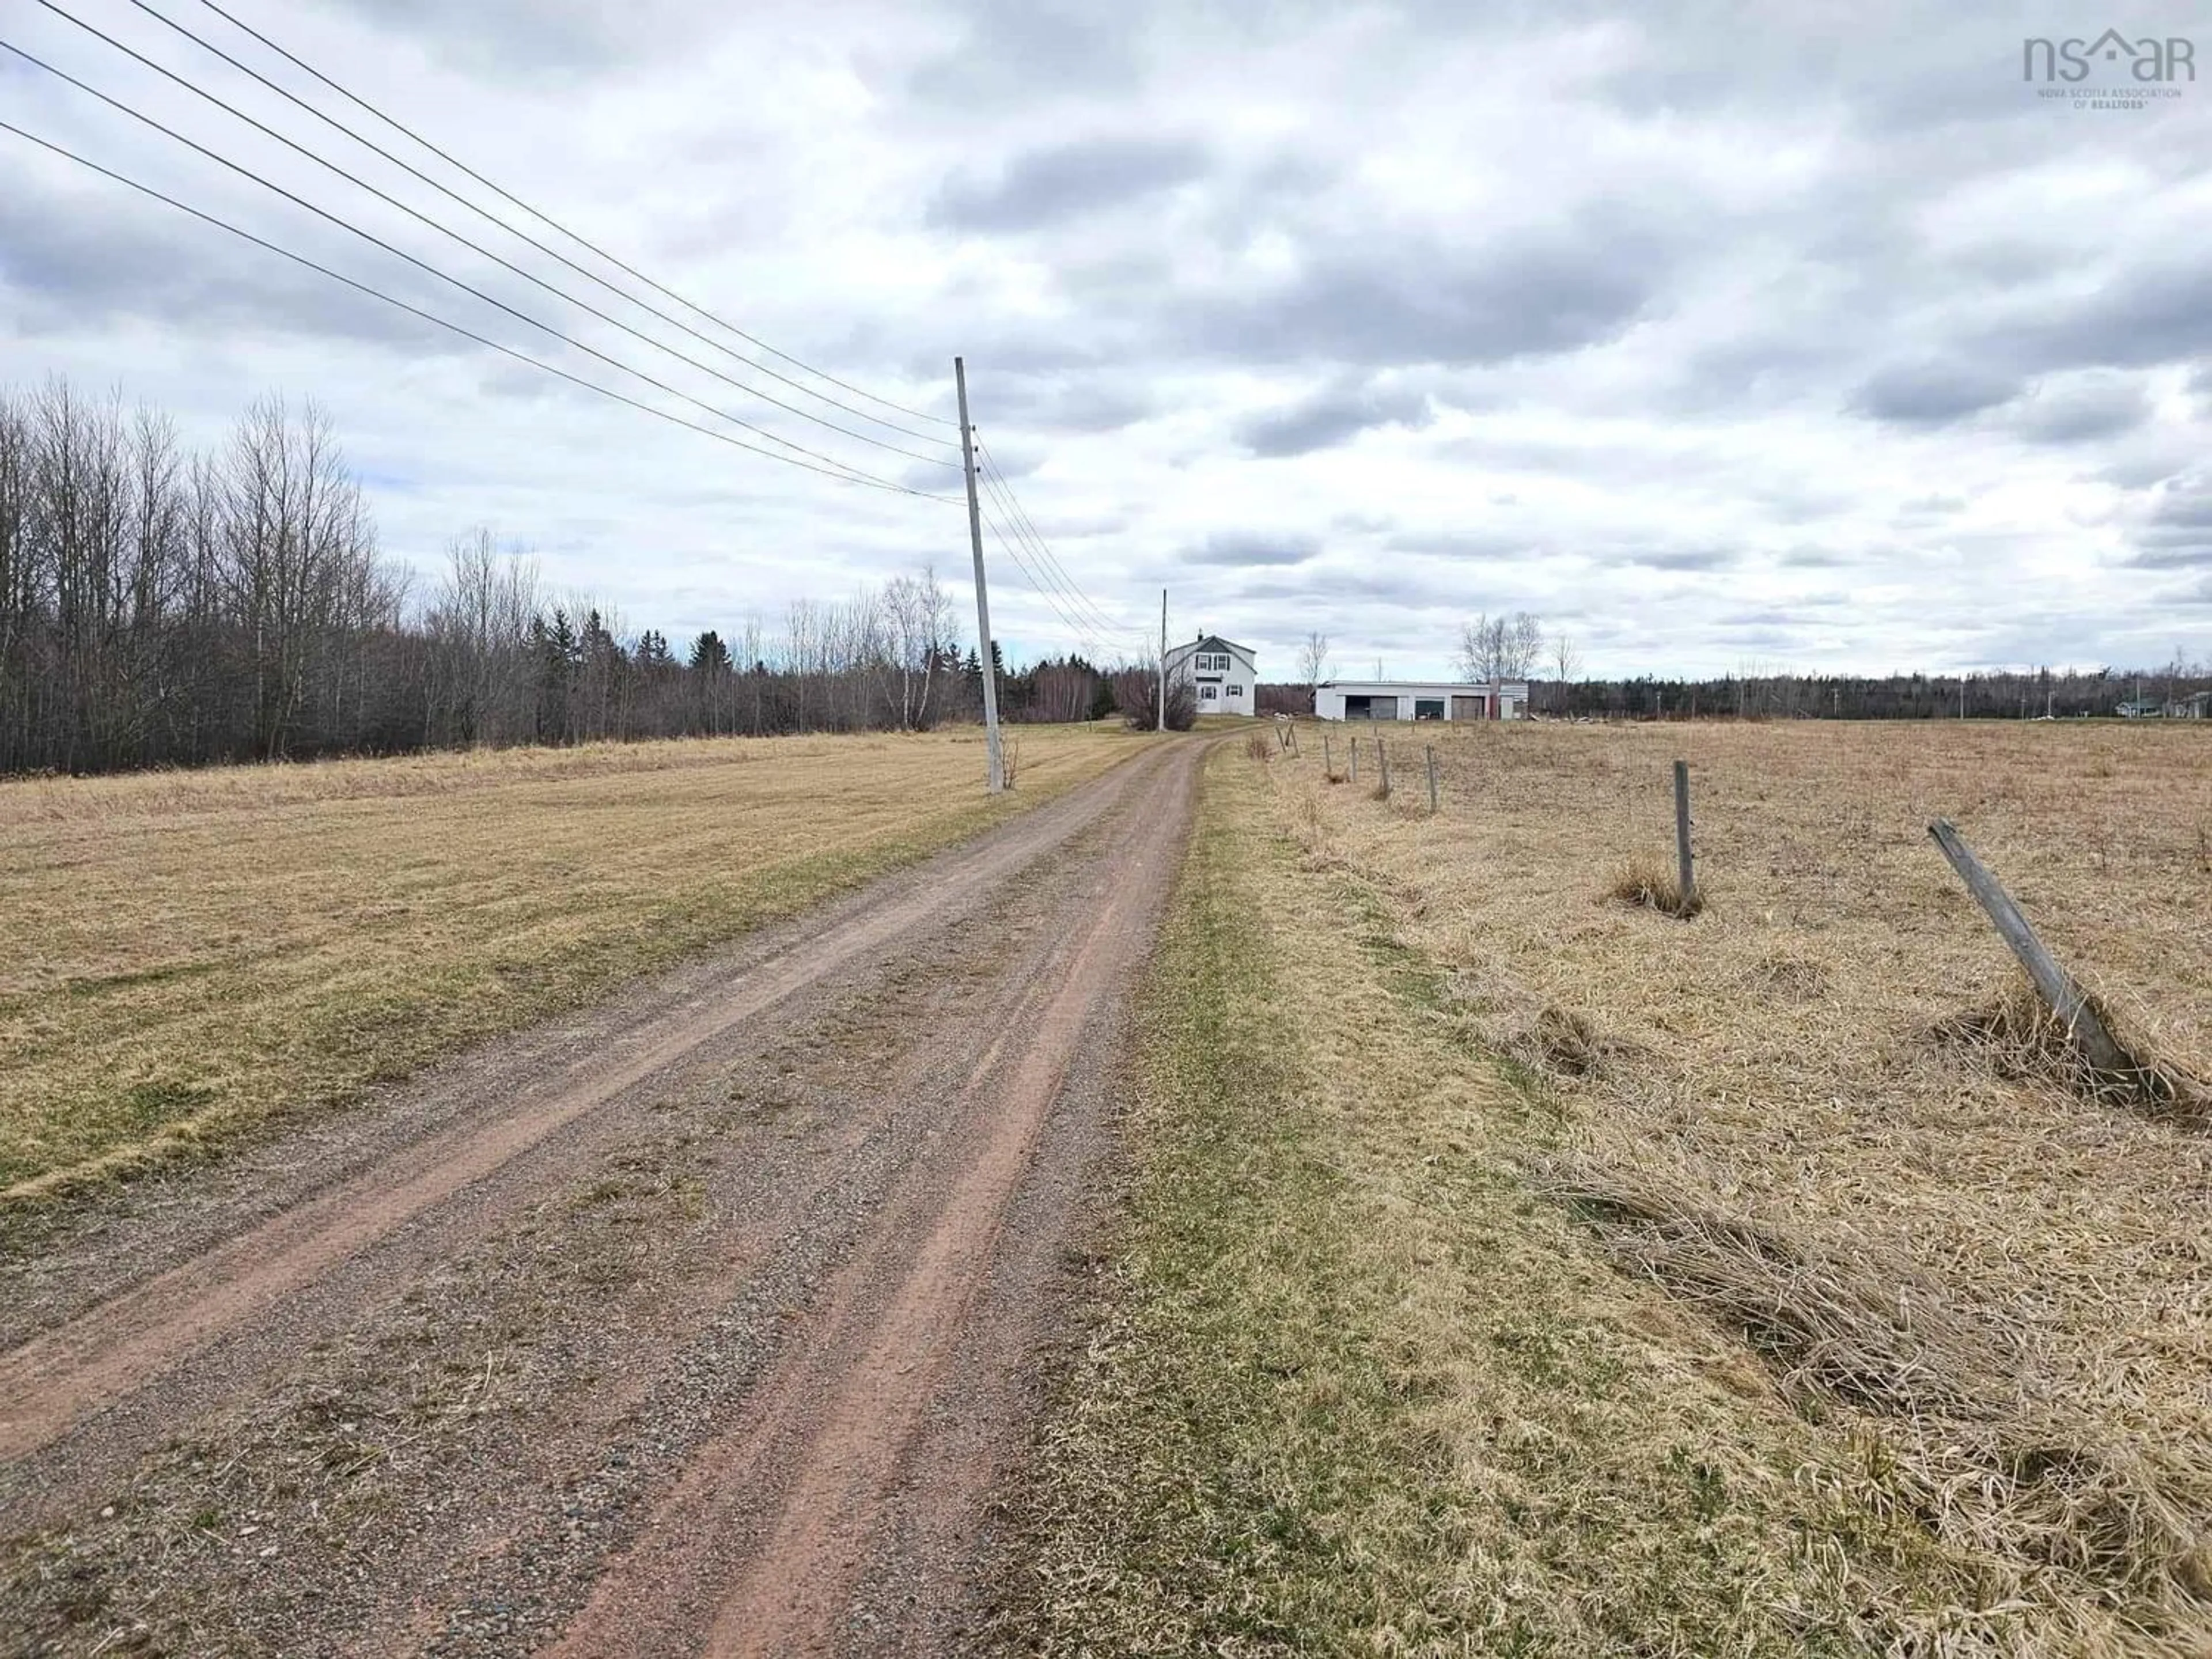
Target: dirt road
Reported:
point(701, 1324)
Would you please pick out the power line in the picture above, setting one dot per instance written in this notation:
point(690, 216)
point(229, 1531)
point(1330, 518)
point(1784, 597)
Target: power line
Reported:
point(1042, 579)
point(843, 475)
point(423, 265)
point(1083, 635)
point(546, 218)
point(473, 247)
point(1090, 638)
point(1043, 549)
point(515, 231)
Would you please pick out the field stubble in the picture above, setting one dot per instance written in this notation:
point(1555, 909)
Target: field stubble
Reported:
point(185, 955)
point(1801, 1112)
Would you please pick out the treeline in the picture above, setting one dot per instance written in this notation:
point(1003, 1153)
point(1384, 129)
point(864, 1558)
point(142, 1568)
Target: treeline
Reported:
point(159, 606)
point(2063, 694)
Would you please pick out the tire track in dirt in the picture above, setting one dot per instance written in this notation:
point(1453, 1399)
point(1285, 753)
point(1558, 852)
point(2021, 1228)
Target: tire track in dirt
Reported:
point(828, 1432)
point(62, 1375)
point(776, 1432)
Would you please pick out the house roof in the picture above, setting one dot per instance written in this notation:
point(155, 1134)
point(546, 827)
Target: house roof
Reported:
point(1211, 642)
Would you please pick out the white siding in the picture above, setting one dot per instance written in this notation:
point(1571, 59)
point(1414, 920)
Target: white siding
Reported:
point(1224, 682)
point(1330, 699)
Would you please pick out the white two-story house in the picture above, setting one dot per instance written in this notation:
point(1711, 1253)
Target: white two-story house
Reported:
point(1222, 674)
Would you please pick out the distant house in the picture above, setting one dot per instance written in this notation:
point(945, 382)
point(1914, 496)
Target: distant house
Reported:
point(1411, 700)
point(2196, 706)
point(1223, 676)
point(2141, 709)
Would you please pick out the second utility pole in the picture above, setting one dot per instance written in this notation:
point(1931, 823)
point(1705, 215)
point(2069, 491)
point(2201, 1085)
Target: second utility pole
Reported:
point(984, 652)
point(1164, 659)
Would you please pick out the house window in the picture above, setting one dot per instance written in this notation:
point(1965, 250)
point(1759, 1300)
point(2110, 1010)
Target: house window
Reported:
point(1235, 691)
point(1213, 662)
point(1205, 694)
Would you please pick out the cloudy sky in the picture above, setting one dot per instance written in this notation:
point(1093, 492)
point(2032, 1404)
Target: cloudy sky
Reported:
point(1711, 337)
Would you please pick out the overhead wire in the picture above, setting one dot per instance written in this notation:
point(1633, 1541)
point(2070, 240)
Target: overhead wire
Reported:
point(1084, 636)
point(1002, 487)
point(474, 247)
point(1039, 578)
point(828, 461)
point(515, 231)
point(1041, 548)
point(545, 218)
point(843, 475)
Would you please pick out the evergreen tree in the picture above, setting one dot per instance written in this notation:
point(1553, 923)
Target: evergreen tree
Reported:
point(709, 655)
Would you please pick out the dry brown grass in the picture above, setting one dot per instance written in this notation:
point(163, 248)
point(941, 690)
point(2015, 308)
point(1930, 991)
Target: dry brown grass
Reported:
point(1350, 1390)
point(184, 954)
point(1822, 1118)
point(1644, 881)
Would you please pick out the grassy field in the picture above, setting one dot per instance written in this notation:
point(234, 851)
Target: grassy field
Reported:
point(184, 954)
point(1509, 1268)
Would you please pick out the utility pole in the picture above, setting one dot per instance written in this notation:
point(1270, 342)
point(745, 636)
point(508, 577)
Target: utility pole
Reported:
point(1164, 659)
point(984, 652)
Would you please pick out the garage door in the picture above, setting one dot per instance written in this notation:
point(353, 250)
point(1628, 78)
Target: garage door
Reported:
point(1467, 708)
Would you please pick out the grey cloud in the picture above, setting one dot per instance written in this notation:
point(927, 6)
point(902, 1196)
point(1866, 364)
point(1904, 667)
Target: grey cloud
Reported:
point(1363, 523)
point(1806, 556)
point(1066, 181)
point(2177, 535)
point(1252, 547)
point(87, 262)
point(1930, 394)
point(1687, 558)
point(1012, 49)
point(1089, 404)
point(2145, 316)
point(1325, 593)
point(1533, 293)
point(1458, 543)
point(521, 38)
point(2094, 408)
point(1329, 418)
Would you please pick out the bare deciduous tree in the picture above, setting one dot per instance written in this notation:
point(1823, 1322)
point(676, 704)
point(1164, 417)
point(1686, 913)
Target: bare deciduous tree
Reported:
point(1500, 648)
point(1313, 658)
point(1566, 665)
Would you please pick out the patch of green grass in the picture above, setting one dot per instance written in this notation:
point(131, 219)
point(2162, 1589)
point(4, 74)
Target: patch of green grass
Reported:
point(1351, 1387)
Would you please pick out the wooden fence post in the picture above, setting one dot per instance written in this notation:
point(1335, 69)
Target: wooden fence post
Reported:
point(2052, 983)
point(1689, 880)
point(1355, 760)
point(1327, 766)
point(1382, 760)
point(1432, 780)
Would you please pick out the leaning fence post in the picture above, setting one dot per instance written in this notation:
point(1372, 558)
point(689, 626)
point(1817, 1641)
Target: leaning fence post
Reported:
point(1689, 881)
point(2052, 983)
point(1432, 779)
